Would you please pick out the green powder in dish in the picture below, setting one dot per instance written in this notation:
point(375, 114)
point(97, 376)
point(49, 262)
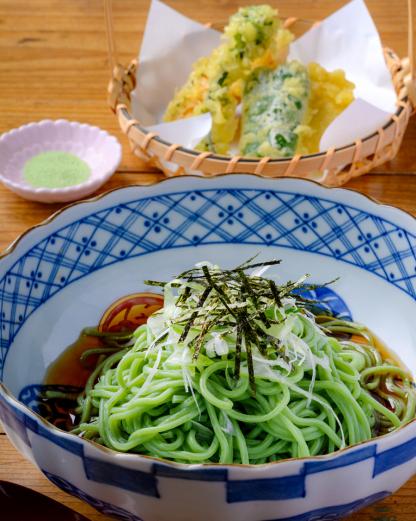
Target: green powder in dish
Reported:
point(55, 170)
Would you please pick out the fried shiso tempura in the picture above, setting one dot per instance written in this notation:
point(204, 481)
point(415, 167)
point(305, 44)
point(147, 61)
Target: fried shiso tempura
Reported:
point(286, 110)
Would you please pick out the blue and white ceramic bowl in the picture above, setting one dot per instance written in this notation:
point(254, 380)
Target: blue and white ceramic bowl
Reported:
point(60, 276)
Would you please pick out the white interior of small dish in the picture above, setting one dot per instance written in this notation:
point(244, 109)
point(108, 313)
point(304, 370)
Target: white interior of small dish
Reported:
point(96, 147)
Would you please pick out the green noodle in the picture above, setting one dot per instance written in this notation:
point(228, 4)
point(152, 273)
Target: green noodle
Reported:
point(327, 388)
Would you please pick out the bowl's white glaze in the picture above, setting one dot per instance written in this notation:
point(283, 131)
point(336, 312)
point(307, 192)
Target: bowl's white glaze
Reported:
point(59, 278)
point(100, 150)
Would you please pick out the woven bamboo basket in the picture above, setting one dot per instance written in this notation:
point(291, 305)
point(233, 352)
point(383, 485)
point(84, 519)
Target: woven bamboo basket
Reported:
point(334, 167)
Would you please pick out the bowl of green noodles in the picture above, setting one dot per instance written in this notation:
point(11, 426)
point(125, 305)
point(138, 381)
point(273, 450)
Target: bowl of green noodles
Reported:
point(228, 348)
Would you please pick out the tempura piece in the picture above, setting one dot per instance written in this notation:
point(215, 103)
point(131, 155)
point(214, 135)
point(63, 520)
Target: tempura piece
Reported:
point(274, 106)
point(331, 93)
point(254, 37)
point(286, 111)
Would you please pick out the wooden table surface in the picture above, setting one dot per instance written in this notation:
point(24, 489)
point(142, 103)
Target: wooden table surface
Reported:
point(53, 64)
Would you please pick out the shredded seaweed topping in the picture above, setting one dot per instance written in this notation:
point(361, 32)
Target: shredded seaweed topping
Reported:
point(214, 299)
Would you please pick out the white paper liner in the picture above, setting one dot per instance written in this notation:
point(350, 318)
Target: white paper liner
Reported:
point(348, 40)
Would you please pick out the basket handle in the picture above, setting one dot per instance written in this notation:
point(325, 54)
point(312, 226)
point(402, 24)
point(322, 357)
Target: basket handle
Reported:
point(111, 44)
point(409, 63)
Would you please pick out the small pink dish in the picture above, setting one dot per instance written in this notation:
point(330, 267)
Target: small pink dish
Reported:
point(100, 150)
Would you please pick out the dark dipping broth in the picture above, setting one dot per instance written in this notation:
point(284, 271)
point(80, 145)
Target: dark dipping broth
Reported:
point(66, 377)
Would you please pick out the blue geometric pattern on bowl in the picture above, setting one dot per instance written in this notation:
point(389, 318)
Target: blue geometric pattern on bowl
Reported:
point(186, 218)
point(327, 301)
point(323, 514)
point(102, 506)
point(31, 395)
point(337, 511)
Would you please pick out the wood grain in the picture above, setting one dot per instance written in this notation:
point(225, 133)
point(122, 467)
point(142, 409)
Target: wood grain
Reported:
point(53, 64)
